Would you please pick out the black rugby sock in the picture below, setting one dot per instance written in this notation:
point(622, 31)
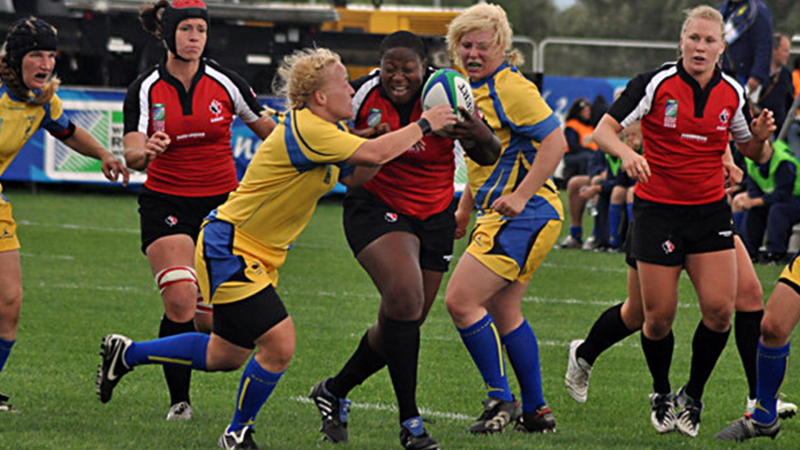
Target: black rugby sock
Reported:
point(606, 331)
point(361, 365)
point(401, 348)
point(659, 359)
point(707, 346)
point(178, 378)
point(747, 330)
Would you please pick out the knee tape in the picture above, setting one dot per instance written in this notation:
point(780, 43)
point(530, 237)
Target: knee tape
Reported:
point(172, 275)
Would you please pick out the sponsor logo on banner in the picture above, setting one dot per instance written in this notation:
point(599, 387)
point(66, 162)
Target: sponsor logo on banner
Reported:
point(103, 120)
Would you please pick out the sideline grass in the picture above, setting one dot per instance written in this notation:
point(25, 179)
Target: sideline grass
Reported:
point(84, 276)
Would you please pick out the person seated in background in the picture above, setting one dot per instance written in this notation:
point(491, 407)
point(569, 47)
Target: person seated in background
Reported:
point(622, 192)
point(578, 131)
point(778, 94)
point(584, 191)
point(772, 203)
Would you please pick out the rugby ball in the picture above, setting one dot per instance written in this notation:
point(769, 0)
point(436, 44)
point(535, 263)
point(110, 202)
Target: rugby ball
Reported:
point(448, 87)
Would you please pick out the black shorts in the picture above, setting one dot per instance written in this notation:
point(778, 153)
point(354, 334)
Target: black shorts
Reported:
point(366, 218)
point(244, 321)
point(622, 179)
point(664, 234)
point(164, 215)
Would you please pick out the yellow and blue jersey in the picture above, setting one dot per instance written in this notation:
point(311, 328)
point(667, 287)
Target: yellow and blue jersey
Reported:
point(245, 240)
point(514, 109)
point(19, 120)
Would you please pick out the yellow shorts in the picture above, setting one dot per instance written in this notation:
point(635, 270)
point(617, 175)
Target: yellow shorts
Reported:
point(514, 249)
point(791, 274)
point(8, 228)
point(231, 265)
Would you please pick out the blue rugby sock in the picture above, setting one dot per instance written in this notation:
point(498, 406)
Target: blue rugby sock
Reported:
point(576, 233)
point(483, 343)
point(254, 390)
point(630, 212)
point(772, 364)
point(5, 350)
point(614, 220)
point(523, 353)
point(187, 349)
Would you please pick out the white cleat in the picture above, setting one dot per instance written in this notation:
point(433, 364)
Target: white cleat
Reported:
point(576, 379)
point(180, 411)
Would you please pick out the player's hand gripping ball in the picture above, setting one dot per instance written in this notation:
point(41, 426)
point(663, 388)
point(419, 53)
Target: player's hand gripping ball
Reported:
point(448, 87)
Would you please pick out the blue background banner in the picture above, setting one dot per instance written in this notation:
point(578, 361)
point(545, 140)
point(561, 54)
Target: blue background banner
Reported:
point(45, 160)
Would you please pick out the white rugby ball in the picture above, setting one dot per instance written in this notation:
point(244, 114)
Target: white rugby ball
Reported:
point(448, 87)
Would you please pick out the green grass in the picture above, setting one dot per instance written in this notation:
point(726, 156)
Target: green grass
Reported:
point(84, 276)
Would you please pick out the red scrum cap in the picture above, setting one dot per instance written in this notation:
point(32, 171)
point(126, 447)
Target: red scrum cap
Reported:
point(174, 14)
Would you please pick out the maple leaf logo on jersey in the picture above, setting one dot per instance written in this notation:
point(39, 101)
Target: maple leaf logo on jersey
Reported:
point(215, 107)
point(724, 116)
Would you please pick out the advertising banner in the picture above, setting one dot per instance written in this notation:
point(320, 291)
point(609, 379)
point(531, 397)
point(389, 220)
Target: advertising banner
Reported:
point(47, 160)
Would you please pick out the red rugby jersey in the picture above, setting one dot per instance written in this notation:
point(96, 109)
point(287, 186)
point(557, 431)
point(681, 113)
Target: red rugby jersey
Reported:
point(685, 131)
point(419, 183)
point(199, 160)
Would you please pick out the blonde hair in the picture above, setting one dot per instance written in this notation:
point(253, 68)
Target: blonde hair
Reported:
point(703, 12)
point(480, 17)
point(19, 89)
point(302, 73)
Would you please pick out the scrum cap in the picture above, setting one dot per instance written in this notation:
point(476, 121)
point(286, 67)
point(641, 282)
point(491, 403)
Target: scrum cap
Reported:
point(28, 35)
point(175, 13)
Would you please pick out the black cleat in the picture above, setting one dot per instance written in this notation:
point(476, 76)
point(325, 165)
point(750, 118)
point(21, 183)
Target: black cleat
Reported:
point(746, 428)
point(497, 415)
point(333, 410)
point(242, 439)
point(113, 366)
point(539, 421)
point(414, 437)
point(4, 405)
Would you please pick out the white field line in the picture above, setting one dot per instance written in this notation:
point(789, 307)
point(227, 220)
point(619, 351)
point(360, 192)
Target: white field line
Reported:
point(392, 408)
point(70, 226)
point(46, 256)
point(89, 287)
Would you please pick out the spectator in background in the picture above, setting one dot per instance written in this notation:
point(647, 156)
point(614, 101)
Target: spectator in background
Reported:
point(793, 137)
point(622, 192)
point(772, 201)
point(599, 108)
point(748, 38)
point(778, 93)
point(580, 146)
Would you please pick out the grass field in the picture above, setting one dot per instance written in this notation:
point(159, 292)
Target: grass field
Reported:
point(84, 277)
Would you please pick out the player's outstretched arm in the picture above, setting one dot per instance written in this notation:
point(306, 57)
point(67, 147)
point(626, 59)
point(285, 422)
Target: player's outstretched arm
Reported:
point(85, 144)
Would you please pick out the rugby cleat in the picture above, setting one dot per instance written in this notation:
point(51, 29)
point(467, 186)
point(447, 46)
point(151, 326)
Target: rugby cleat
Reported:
point(576, 379)
point(662, 413)
point(241, 439)
point(4, 405)
point(746, 428)
point(414, 437)
point(541, 420)
point(497, 415)
point(112, 367)
point(688, 421)
point(333, 410)
point(180, 411)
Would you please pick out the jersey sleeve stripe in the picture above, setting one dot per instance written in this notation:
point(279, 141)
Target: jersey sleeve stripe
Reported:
point(740, 122)
point(240, 106)
point(144, 102)
point(296, 156)
point(363, 92)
